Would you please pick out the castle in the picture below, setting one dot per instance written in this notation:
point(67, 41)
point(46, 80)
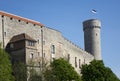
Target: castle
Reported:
point(27, 39)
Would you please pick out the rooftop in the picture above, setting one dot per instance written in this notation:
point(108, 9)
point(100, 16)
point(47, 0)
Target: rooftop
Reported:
point(20, 18)
point(20, 37)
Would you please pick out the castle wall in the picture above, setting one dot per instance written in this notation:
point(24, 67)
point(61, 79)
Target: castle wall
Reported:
point(63, 47)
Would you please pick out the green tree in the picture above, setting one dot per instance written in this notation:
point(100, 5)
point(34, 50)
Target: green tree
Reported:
point(5, 67)
point(61, 70)
point(20, 71)
point(96, 71)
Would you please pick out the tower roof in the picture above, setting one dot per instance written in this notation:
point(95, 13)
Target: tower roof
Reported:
point(20, 18)
point(20, 37)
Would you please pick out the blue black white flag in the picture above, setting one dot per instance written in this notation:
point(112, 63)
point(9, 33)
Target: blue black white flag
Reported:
point(94, 11)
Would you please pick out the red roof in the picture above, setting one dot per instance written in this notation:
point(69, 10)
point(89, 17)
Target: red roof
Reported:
point(20, 18)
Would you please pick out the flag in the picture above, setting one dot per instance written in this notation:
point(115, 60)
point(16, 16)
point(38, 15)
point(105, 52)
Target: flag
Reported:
point(94, 11)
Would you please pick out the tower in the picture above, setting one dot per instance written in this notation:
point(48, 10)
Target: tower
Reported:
point(92, 39)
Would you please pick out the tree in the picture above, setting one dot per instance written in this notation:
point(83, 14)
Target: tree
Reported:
point(96, 71)
point(20, 71)
point(61, 70)
point(5, 67)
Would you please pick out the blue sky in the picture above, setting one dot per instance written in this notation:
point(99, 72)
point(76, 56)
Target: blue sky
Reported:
point(67, 16)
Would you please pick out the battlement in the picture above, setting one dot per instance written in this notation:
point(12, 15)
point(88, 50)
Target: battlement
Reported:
point(76, 46)
point(92, 23)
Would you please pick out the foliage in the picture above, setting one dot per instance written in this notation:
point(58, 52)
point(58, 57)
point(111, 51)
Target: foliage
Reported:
point(61, 70)
point(34, 76)
point(96, 71)
point(5, 67)
point(20, 71)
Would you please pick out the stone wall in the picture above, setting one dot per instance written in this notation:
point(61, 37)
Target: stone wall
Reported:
point(63, 47)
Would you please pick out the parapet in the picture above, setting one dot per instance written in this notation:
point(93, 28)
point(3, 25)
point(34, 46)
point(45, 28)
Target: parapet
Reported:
point(91, 23)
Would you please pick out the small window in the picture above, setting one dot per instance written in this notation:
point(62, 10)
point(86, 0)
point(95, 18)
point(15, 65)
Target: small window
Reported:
point(53, 49)
point(2, 16)
point(38, 54)
point(31, 55)
point(84, 61)
point(75, 61)
point(19, 20)
point(11, 18)
point(79, 63)
point(38, 41)
point(44, 54)
point(68, 57)
point(11, 45)
point(34, 24)
point(96, 34)
point(43, 42)
point(26, 22)
point(39, 64)
point(31, 43)
point(5, 34)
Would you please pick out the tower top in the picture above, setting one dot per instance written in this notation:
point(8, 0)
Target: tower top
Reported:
point(91, 23)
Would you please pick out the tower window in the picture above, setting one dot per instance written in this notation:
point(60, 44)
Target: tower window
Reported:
point(96, 34)
point(31, 43)
point(53, 49)
point(11, 45)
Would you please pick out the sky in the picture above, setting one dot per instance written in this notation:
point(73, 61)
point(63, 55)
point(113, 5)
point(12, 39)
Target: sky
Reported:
point(67, 17)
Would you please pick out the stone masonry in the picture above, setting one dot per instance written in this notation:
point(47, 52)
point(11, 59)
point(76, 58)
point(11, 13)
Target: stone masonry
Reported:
point(50, 44)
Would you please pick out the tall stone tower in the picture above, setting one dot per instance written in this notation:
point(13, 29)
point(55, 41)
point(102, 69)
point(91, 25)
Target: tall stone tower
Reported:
point(92, 39)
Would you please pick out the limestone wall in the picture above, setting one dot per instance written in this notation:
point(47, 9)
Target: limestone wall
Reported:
point(63, 47)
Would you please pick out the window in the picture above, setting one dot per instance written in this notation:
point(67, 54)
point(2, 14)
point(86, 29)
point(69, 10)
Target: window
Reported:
point(38, 54)
point(31, 43)
point(2, 16)
point(79, 63)
point(34, 24)
point(26, 22)
point(5, 34)
point(11, 18)
point(96, 34)
point(19, 20)
point(31, 55)
point(75, 61)
point(44, 54)
point(53, 49)
point(12, 45)
point(68, 57)
point(84, 61)
point(38, 41)
point(39, 64)
point(43, 42)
